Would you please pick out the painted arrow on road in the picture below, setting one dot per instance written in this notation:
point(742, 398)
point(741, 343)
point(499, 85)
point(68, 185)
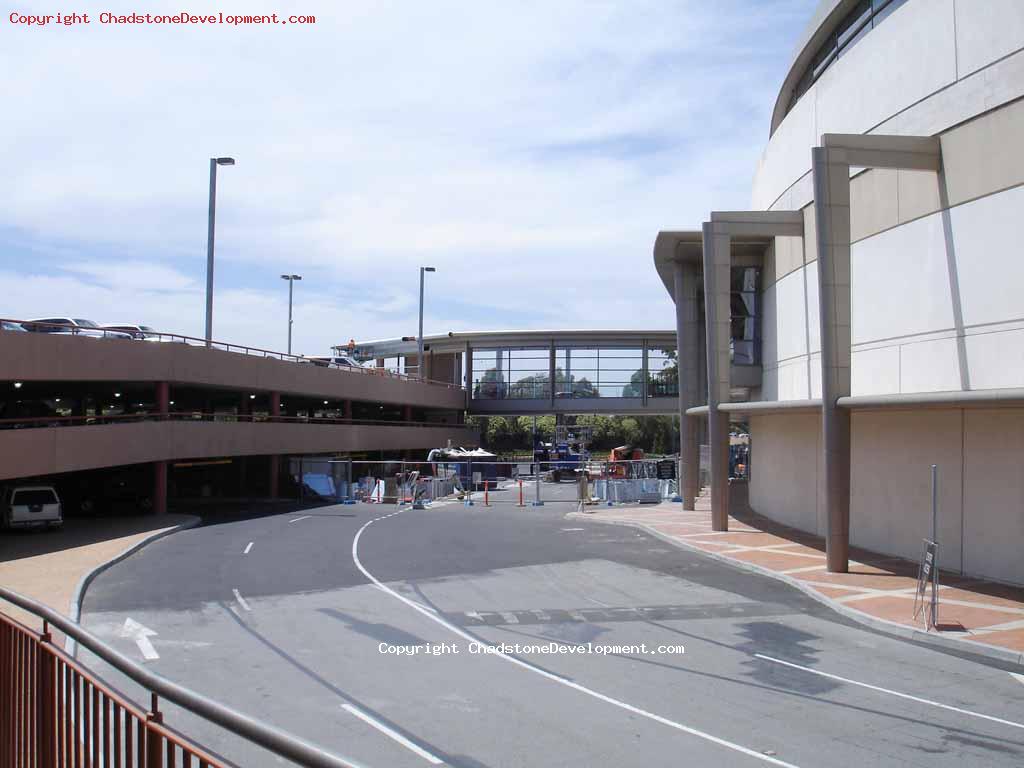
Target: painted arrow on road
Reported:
point(140, 635)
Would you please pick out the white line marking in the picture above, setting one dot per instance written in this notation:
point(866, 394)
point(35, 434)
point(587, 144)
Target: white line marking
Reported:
point(241, 600)
point(247, 548)
point(304, 517)
point(891, 692)
point(433, 759)
point(573, 530)
point(1019, 678)
point(140, 635)
point(551, 676)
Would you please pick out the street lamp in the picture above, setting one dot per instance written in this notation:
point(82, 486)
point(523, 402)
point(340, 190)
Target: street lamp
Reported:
point(214, 162)
point(291, 282)
point(419, 358)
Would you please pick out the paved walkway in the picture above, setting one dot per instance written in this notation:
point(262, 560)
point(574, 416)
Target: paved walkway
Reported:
point(878, 586)
point(47, 566)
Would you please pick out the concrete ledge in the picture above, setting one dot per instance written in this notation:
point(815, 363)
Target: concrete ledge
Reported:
point(981, 651)
point(75, 608)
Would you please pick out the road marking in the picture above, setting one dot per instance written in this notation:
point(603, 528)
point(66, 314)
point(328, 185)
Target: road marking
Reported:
point(304, 517)
point(495, 651)
point(1019, 678)
point(140, 635)
point(573, 530)
point(241, 600)
point(390, 732)
point(918, 699)
point(247, 548)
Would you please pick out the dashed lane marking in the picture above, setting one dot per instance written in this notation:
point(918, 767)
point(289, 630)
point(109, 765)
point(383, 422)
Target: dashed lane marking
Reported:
point(303, 517)
point(247, 548)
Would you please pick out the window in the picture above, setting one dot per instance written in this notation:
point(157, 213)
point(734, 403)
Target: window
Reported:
point(34, 497)
point(861, 19)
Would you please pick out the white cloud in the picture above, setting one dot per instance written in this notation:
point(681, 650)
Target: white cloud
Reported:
point(531, 151)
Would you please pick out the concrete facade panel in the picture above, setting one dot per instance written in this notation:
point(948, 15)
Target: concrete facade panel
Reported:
point(918, 194)
point(44, 357)
point(46, 451)
point(995, 358)
point(986, 31)
point(875, 371)
point(994, 494)
point(784, 468)
point(984, 155)
point(986, 235)
point(874, 202)
point(890, 497)
point(900, 282)
point(929, 366)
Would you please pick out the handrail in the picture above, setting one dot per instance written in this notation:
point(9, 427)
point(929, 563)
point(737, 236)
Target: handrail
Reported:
point(161, 336)
point(274, 739)
point(245, 418)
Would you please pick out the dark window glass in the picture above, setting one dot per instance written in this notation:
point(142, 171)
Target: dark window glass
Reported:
point(32, 498)
point(856, 20)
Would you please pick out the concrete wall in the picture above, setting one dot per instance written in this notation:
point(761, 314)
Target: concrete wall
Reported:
point(981, 487)
point(929, 66)
point(53, 450)
point(43, 357)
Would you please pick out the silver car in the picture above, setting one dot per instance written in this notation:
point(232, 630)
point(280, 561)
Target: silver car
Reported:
point(72, 326)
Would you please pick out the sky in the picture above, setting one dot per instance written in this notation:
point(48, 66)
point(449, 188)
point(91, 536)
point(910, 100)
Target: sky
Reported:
point(530, 151)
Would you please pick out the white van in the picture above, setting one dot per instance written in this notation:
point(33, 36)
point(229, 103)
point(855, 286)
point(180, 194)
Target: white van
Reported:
point(31, 505)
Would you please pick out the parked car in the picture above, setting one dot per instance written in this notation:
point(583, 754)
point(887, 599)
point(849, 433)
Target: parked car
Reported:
point(30, 506)
point(7, 325)
point(77, 326)
point(124, 491)
point(139, 332)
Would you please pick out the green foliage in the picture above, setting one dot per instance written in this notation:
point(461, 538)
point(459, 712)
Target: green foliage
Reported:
point(654, 434)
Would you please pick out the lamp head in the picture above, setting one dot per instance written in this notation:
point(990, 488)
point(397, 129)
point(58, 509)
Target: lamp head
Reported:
point(225, 161)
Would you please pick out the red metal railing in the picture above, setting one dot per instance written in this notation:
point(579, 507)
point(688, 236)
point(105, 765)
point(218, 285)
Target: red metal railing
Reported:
point(160, 336)
point(55, 713)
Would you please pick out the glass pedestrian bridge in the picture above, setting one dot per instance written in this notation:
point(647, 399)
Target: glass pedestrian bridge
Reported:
point(541, 372)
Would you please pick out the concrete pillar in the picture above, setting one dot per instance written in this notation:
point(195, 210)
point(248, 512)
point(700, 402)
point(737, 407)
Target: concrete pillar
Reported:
point(469, 375)
point(275, 461)
point(832, 211)
point(716, 310)
point(685, 278)
point(159, 487)
point(275, 481)
point(163, 397)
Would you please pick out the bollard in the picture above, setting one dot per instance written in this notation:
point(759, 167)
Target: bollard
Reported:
point(521, 504)
point(380, 491)
point(487, 497)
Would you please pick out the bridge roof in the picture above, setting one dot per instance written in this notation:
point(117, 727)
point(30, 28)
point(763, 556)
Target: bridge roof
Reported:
point(456, 341)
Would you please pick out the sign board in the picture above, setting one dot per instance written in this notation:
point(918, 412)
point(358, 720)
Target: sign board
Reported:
point(667, 469)
point(927, 574)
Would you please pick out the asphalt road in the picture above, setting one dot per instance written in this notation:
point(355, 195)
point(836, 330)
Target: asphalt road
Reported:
point(297, 618)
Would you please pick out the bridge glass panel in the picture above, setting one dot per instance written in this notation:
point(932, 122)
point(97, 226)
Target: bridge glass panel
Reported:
point(662, 372)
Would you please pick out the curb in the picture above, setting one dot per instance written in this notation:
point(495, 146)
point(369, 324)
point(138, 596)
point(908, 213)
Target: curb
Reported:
point(965, 647)
point(75, 608)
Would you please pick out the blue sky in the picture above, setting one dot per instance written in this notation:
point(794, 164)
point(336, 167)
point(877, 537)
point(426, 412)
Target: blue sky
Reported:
point(530, 151)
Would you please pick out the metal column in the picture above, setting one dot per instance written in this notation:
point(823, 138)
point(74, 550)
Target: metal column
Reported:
point(685, 278)
point(832, 210)
point(717, 309)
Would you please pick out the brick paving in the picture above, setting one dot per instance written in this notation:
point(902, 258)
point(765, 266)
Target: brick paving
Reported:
point(879, 586)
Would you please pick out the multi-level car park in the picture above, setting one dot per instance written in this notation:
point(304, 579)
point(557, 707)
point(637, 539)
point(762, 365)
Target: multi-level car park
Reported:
point(113, 421)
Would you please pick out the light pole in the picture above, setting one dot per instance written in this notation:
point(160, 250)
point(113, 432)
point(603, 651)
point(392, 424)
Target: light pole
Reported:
point(291, 282)
point(419, 359)
point(214, 162)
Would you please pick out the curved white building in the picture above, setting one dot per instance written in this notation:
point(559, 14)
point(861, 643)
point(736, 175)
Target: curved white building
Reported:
point(890, 194)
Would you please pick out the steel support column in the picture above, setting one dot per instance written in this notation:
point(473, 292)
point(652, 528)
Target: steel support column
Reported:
point(686, 277)
point(716, 248)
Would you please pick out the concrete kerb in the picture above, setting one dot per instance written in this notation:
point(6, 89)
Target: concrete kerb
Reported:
point(75, 608)
point(964, 647)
